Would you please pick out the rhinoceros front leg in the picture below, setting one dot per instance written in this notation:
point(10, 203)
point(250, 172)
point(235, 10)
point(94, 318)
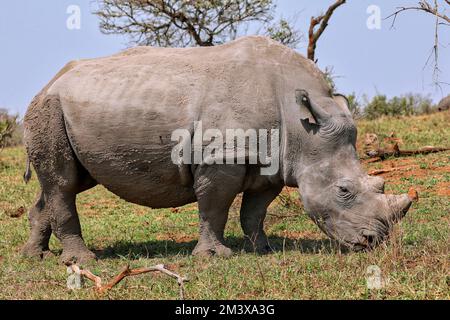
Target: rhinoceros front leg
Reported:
point(215, 186)
point(253, 212)
point(66, 227)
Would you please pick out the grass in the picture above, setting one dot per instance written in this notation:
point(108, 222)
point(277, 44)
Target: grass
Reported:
point(306, 265)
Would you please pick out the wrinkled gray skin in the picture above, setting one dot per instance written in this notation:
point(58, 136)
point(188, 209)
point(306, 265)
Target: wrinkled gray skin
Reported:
point(109, 121)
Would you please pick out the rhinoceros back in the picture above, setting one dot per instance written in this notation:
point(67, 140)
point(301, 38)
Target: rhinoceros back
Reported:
point(120, 111)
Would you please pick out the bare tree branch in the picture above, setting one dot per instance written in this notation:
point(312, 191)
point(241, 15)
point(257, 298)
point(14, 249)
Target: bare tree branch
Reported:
point(441, 19)
point(422, 6)
point(322, 22)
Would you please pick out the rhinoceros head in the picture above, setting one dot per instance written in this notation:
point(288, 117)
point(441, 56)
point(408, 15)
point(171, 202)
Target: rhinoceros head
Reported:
point(346, 203)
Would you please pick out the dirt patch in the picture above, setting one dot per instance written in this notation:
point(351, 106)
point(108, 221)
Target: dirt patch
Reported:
point(442, 169)
point(408, 167)
point(443, 189)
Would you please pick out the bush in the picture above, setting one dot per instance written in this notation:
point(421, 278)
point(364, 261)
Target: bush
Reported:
point(405, 105)
point(10, 130)
point(354, 106)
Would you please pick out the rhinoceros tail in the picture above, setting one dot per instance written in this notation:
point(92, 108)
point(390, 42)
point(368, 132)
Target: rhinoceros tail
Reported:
point(27, 174)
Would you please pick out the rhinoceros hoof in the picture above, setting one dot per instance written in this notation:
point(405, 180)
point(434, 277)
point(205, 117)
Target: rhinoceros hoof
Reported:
point(81, 256)
point(36, 252)
point(218, 250)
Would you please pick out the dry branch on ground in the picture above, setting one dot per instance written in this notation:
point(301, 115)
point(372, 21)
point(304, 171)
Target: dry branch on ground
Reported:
point(396, 152)
point(381, 171)
point(126, 272)
point(375, 152)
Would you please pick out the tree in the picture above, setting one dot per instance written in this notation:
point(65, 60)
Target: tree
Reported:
point(317, 27)
point(354, 106)
point(404, 105)
point(438, 13)
point(181, 23)
point(425, 6)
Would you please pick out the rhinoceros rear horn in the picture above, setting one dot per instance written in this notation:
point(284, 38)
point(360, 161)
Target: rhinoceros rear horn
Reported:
point(319, 114)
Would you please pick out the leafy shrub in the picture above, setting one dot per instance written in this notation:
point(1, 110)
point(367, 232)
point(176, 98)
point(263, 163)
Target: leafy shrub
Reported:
point(405, 105)
point(10, 130)
point(354, 106)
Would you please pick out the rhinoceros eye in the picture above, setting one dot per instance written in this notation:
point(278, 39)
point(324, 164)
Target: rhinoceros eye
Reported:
point(345, 196)
point(345, 190)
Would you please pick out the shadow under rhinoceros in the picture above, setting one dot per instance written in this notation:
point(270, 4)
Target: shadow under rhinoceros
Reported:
point(168, 248)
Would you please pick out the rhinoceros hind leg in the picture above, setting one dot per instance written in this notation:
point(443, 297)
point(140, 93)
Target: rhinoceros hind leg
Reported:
point(253, 212)
point(55, 211)
point(215, 186)
point(37, 244)
point(61, 177)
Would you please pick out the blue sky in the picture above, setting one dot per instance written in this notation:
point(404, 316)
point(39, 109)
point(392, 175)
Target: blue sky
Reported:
point(35, 44)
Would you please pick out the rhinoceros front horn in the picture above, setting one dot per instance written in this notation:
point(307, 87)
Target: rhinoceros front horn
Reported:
point(399, 205)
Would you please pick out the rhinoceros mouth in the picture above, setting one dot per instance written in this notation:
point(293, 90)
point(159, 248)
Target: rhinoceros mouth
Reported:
point(367, 240)
point(364, 240)
point(358, 235)
point(359, 248)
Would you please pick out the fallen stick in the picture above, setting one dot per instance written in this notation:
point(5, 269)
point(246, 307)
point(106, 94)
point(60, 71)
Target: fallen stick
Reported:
point(396, 152)
point(87, 274)
point(126, 271)
point(381, 171)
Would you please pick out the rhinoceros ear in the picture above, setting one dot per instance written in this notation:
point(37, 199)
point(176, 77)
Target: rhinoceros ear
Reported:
point(317, 114)
point(342, 103)
point(301, 98)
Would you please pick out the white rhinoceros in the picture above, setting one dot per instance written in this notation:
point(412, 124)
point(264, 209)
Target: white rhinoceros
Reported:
point(110, 121)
